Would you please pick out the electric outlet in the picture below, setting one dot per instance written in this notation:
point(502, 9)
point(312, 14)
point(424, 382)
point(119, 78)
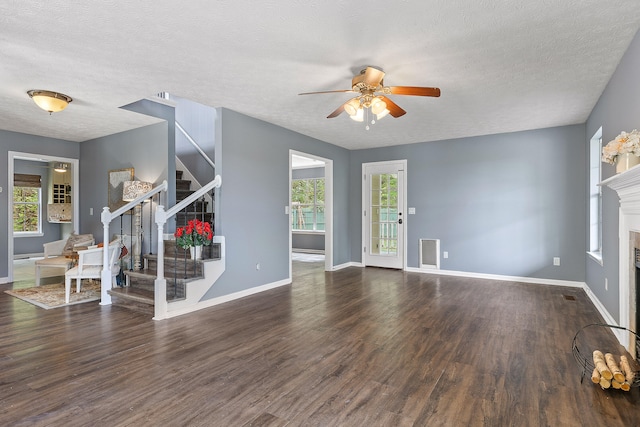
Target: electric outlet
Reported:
point(0, 189)
point(445, 255)
point(556, 260)
point(258, 266)
point(606, 284)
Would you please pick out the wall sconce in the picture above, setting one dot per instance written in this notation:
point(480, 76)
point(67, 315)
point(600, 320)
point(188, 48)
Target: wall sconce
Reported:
point(52, 102)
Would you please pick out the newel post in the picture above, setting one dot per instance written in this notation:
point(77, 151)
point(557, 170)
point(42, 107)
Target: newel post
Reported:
point(160, 288)
point(105, 282)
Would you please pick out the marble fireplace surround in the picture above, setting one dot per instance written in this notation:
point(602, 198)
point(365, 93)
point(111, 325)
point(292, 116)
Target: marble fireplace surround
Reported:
point(627, 185)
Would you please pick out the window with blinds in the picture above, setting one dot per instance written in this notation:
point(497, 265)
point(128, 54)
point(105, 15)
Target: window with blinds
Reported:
point(27, 203)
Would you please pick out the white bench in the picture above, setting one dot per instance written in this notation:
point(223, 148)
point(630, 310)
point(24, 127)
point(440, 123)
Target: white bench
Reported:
point(54, 254)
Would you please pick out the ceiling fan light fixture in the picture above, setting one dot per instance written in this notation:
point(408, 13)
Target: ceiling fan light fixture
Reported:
point(383, 113)
point(352, 107)
point(359, 116)
point(52, 102)
point(378, 105)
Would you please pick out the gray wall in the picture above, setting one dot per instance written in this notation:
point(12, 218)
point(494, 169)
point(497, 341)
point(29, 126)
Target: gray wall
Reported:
point(167, 143)
point(144, 149)
point(254, 164)
point(304, 240)
point(501, 204)
point(199, 122)
point(51, 231)
point(13, 141)
point(618, 109)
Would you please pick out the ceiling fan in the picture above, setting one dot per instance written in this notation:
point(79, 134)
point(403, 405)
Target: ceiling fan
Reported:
point(371, 94)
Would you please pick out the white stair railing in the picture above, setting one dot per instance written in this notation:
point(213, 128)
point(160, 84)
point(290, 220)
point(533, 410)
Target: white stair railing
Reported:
point(160, 288)
point(107, 217)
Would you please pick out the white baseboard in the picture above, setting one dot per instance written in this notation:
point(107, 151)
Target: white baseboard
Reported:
point(346, 265)
point(27, 256)
point(307, 251)
point(227, 298)
point(521, 279)
point(4, 280)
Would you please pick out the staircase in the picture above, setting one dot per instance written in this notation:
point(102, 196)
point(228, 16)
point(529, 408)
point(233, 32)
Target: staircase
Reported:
point(179, 268)
point(195, 210)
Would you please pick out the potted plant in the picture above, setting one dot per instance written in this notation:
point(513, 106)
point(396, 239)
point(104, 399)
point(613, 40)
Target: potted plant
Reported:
point(623, 150)
point(193, 236)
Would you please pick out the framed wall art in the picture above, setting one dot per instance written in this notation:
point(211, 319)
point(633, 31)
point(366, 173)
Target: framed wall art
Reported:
point(117, 178)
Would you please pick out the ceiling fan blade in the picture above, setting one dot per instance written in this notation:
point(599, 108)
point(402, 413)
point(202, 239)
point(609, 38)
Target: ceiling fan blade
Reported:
point(373, 76)
point(414, 90)
point(327, 91)
point(393, 108)
point(337, 112)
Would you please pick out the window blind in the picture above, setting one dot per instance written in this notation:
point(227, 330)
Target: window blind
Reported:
point(26, 180)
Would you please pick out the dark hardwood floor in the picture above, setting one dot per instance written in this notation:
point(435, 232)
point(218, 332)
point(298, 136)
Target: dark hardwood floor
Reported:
point(358, 347)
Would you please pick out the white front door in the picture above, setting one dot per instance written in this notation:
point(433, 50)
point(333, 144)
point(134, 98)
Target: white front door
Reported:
point(383, 215)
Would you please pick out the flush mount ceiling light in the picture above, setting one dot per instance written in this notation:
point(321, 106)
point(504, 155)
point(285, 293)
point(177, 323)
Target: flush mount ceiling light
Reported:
point(52, 102)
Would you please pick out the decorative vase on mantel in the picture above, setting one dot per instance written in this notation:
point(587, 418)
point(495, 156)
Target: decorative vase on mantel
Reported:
point(196, 252)
point(626, 161)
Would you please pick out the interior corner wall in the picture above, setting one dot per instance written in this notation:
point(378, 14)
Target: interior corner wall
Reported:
point(254, 166)
point(618, 109)
point(199, 122)
point(503, 204)
point(168, 141)
point(13, 141)
point(143, 149)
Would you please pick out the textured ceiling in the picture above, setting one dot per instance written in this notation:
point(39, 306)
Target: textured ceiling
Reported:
point(502, 65)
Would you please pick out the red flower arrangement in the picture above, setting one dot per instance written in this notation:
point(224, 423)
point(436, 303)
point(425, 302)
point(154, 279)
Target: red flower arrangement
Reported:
point(195, 233)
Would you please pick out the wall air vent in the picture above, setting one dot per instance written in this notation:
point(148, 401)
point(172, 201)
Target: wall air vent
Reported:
point(430, 253)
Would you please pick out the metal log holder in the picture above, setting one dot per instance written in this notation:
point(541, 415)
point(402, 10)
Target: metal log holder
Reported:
point(584, 355)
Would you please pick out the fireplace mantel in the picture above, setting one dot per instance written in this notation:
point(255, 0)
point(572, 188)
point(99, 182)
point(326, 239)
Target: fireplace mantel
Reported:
point(627, 185)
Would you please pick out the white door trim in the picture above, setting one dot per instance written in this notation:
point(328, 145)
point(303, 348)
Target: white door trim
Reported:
point(402, 166)
point(328, 209)
point(13, 155)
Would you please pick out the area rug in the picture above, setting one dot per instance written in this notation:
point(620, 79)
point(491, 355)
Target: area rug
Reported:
point(52, 296)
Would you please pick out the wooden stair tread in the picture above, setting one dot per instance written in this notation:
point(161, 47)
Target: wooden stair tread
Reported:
point(138, 295)
point(152, 274)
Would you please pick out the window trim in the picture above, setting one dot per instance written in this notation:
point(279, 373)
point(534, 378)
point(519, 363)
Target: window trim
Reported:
point(595, 143)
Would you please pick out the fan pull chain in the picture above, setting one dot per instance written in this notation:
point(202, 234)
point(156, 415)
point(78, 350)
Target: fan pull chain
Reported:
point(373, 121)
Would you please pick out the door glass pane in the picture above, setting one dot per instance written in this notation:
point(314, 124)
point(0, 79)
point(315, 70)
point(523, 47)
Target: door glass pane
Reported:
point(384, 214)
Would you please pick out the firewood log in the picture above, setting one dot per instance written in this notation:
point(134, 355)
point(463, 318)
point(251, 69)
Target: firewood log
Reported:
point(625, 386)
point(604, 383)
point(595, 376)
point(628, 373)
point(614, 368)
point(615, 384)
point(601, 365)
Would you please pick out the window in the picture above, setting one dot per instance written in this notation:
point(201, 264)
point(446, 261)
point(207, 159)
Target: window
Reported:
point(307, 204)
point(595, 196)
point(26, 204)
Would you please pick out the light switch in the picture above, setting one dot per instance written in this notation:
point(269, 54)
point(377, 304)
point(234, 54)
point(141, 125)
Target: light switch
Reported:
point(412, 211)
point(0, 189)
point(286, 210)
